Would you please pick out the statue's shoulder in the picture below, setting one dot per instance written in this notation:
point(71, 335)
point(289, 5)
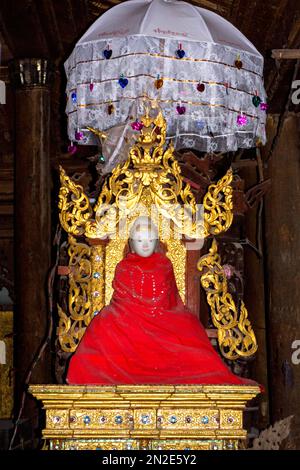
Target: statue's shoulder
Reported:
point(163, 260)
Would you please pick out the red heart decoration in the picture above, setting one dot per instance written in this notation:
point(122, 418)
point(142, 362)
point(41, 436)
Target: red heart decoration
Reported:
point(201, 87)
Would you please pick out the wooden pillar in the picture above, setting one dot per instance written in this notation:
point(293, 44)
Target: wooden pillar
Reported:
point(282, 215)
point(32, 216)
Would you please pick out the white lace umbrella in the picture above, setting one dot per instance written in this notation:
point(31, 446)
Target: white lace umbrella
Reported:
point(202, 71)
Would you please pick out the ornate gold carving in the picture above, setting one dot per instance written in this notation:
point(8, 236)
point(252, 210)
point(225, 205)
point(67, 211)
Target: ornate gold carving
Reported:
point(72, 325)
point(176, 251)
point(183, 444)
point(141, 444)
point(97, 283)
point(144, 416)
point(152, 173)
point(218, 206)
point(114, 254)
point(74, 206)
point(235, 334)
point(231, 419)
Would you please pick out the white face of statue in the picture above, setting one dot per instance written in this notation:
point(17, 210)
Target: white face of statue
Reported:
point(143, 238)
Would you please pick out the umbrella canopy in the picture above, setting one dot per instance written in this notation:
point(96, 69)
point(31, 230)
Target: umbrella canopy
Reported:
point(201, 70)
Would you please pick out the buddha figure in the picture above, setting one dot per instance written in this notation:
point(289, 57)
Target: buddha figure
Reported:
point(146, 335)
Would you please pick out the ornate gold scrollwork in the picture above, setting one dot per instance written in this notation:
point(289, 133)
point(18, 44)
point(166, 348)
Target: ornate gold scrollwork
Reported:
point(235, 334)
point(152, 171)
point(218, 206)
point(74, 206)
point(72, 326)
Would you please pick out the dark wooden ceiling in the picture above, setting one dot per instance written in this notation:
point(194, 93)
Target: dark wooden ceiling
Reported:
point(50, 28)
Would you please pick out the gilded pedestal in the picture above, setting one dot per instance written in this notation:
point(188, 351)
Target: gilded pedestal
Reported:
point(207, 417)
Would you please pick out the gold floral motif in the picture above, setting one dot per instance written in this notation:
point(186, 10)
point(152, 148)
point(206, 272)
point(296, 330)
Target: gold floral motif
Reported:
point(231, 419)
point(57, 419)
point(87, 420)
point(141, 444)
point(182, 444)
point(101, 444)
point(189, 419)
point(235, 334)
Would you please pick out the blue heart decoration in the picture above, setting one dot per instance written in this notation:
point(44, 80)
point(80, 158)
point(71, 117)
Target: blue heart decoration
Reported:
point(107, 53)
point(180, 53)
point(123, 82)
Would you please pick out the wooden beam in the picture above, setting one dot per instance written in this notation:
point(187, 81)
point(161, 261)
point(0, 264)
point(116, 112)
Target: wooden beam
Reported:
point(286, 54)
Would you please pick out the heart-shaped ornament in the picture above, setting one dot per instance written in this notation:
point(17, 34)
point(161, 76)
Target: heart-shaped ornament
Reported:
point(264, 106)
point(110, 109)
point(201, 87)
point(74, 97)
point(107, 53)
point(123, 82)
point(79, 135)
point(72, 149)
point(158, 83)
point(180, 109)
point(137, 125)
point(180, 53)
point(238, 63)
point(256, 101)
point(241, 120)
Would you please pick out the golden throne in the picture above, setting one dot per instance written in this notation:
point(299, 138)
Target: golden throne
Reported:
point(146, 416)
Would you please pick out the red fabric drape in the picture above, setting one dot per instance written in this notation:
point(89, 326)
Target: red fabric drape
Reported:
point(146, 335)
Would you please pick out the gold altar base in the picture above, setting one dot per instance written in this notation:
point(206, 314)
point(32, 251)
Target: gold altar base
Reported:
point(157, 417)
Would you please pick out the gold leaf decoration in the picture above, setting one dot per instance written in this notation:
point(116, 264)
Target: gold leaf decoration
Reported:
point(72, 326)
point(74, 206)
point(235, 334)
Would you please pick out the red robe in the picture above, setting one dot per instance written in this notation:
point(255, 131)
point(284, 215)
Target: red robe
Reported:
point(146, 335)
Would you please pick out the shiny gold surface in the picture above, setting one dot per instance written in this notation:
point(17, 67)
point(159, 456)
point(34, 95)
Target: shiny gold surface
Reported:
point(72, 325)
point(235, 334)
point(151, 177)
point(218, 206)
point(151, 173)
point(144, 416)
point(74, 206)
point(6, 364)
